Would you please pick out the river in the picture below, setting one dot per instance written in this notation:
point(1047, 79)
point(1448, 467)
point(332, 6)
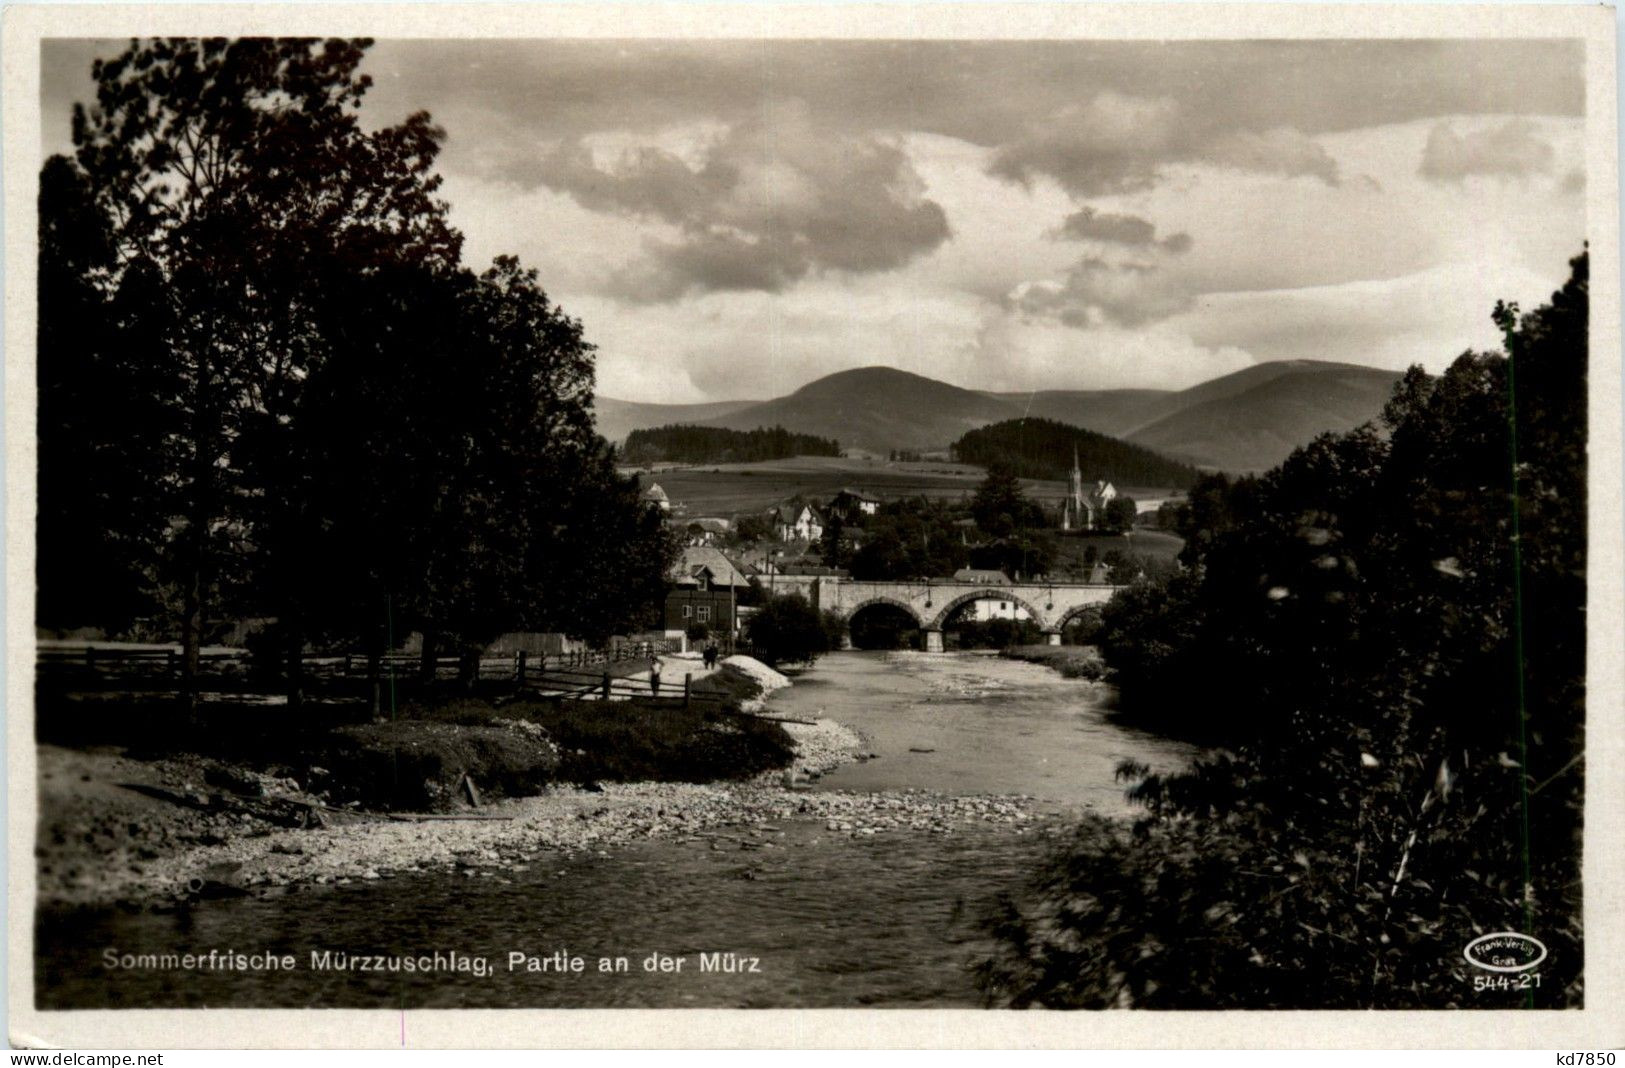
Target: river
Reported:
point(828, 919)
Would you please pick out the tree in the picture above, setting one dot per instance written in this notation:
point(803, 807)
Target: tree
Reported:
point(356, 434)
point(1046, 449)
point(681, 443)
point(751, 528)
point(1398, 622)
point(102, 426)
point(999, 506)
point(236, 175)
point(788, 629)
point(834, 547)
point(1120, 515)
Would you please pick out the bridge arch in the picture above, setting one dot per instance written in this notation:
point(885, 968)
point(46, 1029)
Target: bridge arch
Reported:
point(1039, 616)
point(872, 602)
point(1071, 614)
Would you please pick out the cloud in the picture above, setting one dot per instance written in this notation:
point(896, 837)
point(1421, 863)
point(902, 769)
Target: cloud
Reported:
point(1281, 151)
point(766, 204)
point(1016, 352)
point(1096, 292)
point(1087, 224)
point(1215, 201)
point(1510, 150)
point(1118, 143)
point(1115, 143)
point(1428, 317)
point(983, 92)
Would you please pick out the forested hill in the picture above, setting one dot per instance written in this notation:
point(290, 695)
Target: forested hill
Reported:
point(1043, 448)
point(714, 444)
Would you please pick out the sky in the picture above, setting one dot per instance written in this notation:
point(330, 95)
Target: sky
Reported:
point(734, 219)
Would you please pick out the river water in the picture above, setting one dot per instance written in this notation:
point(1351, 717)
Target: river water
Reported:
point(828, 919)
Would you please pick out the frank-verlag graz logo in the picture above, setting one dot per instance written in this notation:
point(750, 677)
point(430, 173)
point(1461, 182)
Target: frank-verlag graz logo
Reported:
point(1510, 956)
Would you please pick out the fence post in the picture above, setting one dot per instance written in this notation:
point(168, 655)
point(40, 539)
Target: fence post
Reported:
point(688, 683)
point(606, 686)
point(169, 662)
point(519, 668)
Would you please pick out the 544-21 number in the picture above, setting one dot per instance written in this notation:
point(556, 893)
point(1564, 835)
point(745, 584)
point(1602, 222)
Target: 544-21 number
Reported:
point(1526, 981)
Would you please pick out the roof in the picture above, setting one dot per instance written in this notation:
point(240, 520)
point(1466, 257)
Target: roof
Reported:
point(859, 494)
point(981, 576)
point(791, 513)
point(698, 558)
point(654, 493)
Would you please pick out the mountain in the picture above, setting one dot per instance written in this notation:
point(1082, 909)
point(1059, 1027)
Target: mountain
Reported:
point(1114, 412)
point(1251, 420)
point(1246, 421)
point(876, 408)
point(618, 418)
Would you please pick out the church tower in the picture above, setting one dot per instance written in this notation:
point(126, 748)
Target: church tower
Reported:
point(1074, 512)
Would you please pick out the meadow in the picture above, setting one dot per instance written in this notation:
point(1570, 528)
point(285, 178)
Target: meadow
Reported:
point(730, 489)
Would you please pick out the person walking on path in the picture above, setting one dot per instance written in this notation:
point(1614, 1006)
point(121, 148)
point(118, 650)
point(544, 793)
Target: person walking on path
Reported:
point(654, 676)
point(710, 656)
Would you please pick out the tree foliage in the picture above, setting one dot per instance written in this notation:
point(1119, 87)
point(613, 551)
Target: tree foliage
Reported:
point(1387, 633)
point(788, 629)
point(326, 417)
point(1044, 449)
point(1000, 506)
point(911, 538)
point(1120, 515)
point(680, 443)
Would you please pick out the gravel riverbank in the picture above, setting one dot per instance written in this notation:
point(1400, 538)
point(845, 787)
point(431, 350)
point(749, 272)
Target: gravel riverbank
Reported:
point(145, 850)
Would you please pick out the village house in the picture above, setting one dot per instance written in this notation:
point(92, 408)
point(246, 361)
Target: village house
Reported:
point(852, 505)
point(796, 522)
point(980, 576)
point(705, 589)
point(655, 497)
point(987, 609)
point(706, 530)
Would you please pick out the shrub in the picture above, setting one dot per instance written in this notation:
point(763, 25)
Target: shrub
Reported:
point(637, 741)
point(788, 629)
point(419, 764)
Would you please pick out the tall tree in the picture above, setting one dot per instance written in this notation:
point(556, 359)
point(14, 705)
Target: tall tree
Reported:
point(236, 174)
point(1000, 507)
point(102, 430)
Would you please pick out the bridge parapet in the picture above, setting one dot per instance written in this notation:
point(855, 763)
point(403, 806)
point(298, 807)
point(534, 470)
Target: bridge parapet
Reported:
point(931, 603)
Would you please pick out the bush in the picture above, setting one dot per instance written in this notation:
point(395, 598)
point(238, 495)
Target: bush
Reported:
point(1084, 627)
point(698, 632)
point(418, 765)
point(787, 629)
point(635, 741)
point(1072, 661)
point(998, 633)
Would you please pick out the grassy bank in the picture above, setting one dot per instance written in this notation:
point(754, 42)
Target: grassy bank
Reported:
point(424, 755)
point(1072, 661)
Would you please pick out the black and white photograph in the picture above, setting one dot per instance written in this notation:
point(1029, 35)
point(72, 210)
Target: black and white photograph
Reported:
point(695, 519)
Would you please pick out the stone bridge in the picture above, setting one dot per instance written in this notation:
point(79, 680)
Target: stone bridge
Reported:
point(931, 603)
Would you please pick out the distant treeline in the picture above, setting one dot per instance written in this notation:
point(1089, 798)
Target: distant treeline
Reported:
point(1043, 448)
point(714, 444)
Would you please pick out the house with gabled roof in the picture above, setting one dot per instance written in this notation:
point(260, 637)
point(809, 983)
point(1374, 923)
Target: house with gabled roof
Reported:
point(796, 522)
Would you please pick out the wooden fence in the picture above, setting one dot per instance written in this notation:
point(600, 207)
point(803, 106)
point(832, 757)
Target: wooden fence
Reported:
point(89, 663)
